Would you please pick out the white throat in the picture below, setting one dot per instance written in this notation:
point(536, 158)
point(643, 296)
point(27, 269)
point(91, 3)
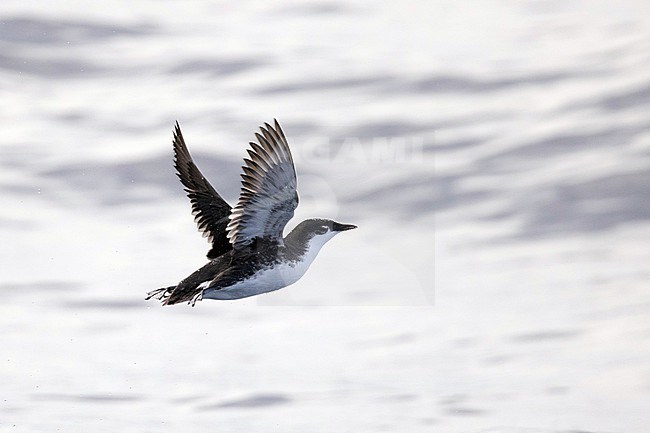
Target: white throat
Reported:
point(314, 246)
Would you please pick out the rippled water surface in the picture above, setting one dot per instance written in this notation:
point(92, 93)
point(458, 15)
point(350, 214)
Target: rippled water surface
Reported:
point(494, 156)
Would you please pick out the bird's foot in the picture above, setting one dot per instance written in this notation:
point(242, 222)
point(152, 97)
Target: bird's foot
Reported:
point(158, 294)
point(196, 298)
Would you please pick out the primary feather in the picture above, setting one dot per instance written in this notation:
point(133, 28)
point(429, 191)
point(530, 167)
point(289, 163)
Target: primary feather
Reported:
point(210, 211)
point(268, 196)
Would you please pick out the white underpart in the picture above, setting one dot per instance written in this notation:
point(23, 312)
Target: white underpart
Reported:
point(270, 279)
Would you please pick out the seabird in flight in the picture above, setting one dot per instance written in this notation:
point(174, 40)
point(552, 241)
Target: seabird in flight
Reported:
point(249, 254)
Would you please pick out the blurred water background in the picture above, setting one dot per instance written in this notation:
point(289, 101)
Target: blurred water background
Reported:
point(494, 155)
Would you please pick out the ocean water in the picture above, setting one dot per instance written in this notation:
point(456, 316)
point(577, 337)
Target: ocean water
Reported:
point(495, 156)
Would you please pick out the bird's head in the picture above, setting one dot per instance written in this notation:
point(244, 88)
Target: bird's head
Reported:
point(316, 232)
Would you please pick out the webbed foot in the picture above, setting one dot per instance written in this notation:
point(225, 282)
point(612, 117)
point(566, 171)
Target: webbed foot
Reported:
point(196, 298)
point(159, 294)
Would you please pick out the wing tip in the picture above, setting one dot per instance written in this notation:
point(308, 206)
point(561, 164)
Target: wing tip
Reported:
point(273, 142)
point(177, 130)
point(270, 154)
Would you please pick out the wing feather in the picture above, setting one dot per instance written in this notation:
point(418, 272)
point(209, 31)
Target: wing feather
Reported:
point(210, 211)
point(268, 196)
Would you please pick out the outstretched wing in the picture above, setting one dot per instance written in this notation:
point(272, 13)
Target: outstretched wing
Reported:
point(210, 211)
point(268, 196)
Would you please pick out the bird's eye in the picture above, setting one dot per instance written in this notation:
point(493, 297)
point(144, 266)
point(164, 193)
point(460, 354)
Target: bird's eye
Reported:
point(321, 230)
